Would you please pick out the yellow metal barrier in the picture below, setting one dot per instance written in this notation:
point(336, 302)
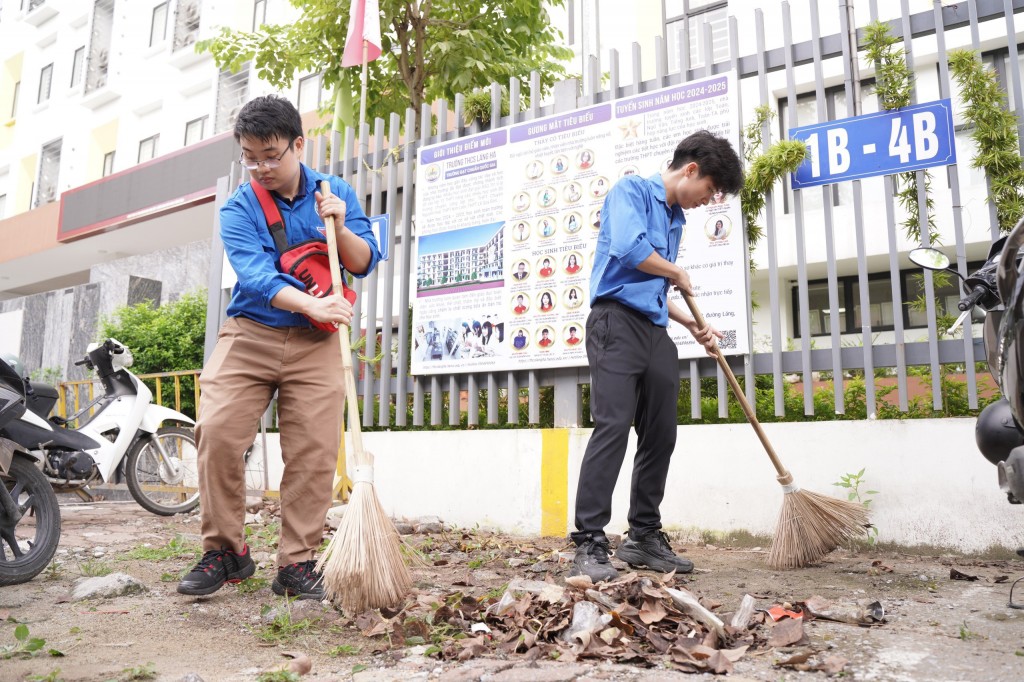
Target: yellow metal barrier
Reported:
point(342, 483)
point(89, 387)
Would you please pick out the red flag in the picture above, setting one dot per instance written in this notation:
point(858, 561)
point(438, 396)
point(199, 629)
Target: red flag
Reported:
point(363, 24)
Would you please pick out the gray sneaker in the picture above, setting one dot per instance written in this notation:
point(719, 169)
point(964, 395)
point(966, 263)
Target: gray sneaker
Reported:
point(592, 560)
point(652, 551)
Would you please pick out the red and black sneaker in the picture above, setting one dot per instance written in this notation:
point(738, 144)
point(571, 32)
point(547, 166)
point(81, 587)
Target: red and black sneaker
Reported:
point(218, 566)
point(299, 580)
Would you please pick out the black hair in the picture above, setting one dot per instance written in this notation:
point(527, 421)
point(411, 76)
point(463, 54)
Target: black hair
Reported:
point(572, 329)
point(715, 158)
point(267, 117)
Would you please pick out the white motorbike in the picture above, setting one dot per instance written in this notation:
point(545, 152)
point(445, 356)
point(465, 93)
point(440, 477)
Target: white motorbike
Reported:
point(160, 461)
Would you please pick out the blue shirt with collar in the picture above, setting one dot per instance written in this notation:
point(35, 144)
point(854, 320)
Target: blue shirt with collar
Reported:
point(250, 247)
point(636, 221)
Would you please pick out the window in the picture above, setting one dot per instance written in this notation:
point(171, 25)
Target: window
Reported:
point(806, 114)
point(714, 14)
point(77, 65)
point(3, 206)
point(309, 93)
point(158, 24)
point(881, 311)
point(49, 170)
point(259, 13)
point(148, 148)
point(108, 164)
point(14, 99)
point(194, 130)
point(45, 80)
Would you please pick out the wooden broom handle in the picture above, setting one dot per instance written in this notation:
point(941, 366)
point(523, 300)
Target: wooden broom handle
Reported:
point(784, 477)
point(343, 334)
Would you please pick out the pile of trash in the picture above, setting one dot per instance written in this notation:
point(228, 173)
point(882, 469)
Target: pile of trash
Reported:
point(635, 619)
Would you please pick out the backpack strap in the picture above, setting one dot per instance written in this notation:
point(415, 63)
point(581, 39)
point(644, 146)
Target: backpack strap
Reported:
point(275, 223)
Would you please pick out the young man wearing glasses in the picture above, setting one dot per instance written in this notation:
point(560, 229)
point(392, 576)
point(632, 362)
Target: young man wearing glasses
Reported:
point(269, 343)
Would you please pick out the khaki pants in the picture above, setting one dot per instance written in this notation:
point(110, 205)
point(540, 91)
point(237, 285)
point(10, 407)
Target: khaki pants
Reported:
point(250, 361)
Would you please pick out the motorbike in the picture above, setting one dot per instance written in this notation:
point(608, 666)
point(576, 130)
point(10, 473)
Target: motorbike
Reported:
point(29, 513)
point(997, 287)
point(156, 444)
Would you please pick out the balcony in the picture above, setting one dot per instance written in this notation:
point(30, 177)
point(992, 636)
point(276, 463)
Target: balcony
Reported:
point(39, 12)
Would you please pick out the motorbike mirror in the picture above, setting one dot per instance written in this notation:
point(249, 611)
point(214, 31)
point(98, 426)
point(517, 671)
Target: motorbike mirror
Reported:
point(929, 258)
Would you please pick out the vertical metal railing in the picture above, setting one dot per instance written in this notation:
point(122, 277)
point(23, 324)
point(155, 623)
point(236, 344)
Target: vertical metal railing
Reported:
point(381, 167)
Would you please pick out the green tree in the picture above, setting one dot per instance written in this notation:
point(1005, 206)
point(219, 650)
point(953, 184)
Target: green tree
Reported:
point(431, 49)
point(165, 339)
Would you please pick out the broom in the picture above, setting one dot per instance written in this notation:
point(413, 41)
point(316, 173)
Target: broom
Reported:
point(362, 566)
point(810, 524)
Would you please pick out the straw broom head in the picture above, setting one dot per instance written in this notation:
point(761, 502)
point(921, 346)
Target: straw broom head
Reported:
point(363, 567)
point(811, 525)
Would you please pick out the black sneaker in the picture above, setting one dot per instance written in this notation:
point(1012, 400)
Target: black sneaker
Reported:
point(218, 566)
point(592, 560)
point(653, 551)
point(299, 580)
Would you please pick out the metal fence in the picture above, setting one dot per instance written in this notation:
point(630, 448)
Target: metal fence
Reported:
point(382, 169)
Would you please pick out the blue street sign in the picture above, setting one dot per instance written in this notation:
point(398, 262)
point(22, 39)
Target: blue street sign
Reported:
point(381, 226)
point(894, 141)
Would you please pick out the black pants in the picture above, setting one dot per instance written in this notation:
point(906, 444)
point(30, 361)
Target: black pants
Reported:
point(634, 372)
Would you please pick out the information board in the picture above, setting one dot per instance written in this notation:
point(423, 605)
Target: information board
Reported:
point(507, 225)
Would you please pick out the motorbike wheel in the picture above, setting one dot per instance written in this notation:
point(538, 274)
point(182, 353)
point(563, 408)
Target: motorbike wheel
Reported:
point(165, 488)
point(28, 544)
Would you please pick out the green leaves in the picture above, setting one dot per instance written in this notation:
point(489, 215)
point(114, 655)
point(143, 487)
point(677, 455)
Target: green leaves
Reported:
point(25, 646)
point(764, 169)
point(430, 50)
point(994, 132)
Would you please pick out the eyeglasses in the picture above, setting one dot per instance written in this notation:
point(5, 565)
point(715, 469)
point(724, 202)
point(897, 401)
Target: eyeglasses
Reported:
point(268, 164)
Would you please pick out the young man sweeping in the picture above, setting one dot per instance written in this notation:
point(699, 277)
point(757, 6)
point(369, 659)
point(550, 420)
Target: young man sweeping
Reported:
point(277, 337)
point(634, 366)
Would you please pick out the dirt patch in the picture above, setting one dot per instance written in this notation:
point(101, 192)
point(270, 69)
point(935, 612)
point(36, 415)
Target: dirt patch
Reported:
point(935, 628)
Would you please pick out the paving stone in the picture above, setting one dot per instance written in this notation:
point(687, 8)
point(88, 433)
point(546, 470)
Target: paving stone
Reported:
point(475, 670)
point(541, 672)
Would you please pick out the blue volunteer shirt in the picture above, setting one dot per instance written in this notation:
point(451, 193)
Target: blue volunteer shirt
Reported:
point(254, 257)
point(636, 221)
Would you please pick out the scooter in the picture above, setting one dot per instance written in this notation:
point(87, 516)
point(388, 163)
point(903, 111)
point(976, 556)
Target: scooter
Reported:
point(997, 287)
point(29, 513)
point(124, 425)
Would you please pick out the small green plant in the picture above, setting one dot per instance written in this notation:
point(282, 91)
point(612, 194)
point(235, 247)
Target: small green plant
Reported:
point(25, 646)
point(263, 537)
point(852, 484)
point(251, 585)
point(94, 569)
point(54, 571)
point(278, 676)
point(343, 650)
point(282, 628)
point(52, 676)
point(966, 633)
point(139, 672)
point(176, 547)
point(358, 668)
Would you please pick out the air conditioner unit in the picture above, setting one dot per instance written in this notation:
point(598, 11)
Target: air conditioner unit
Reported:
point(233, 114)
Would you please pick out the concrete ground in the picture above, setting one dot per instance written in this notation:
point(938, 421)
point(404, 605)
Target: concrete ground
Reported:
point(935, 628)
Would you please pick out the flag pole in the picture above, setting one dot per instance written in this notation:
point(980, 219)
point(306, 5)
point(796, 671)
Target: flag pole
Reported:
point(362, 90)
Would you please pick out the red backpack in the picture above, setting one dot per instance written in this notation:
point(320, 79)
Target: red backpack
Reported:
point(306, 261)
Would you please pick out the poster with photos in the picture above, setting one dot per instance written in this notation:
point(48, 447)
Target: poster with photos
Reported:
point(507, 226)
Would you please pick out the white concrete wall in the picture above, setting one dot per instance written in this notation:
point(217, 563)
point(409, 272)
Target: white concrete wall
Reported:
point(934, 487)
